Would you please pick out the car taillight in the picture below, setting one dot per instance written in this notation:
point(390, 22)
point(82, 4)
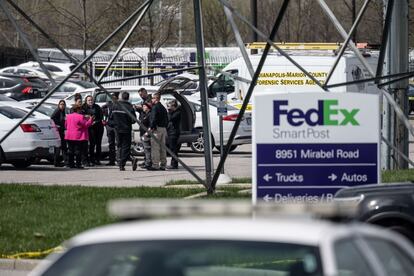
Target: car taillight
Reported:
point(30, 128)
point(232, 117)
point(27, 90)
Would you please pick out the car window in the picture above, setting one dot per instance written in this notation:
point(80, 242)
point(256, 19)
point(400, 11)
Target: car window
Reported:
point(349, 260)
point(189, 258)
point(68, 87)
point(8, 71)
point(102, 98)
point(11, 112)
point(23, 71)
point(43, 109)
point(222, 84)
point(394, 260)
point(52, 68)
point(5, 83)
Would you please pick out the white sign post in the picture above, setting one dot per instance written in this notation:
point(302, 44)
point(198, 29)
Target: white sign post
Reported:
point(306, 146)
point(222, 111)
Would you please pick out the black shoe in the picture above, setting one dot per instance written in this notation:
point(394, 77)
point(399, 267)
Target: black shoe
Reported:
point(80, 167)
point(122, 168)
point(143, 166)
point(162, 168)
point(151, 169)
point(59, 165)
point(110, 164)
point(172, 167)
point(134, 164)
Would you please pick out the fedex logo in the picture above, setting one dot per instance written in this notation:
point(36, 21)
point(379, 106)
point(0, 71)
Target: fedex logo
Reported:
point(328, 113)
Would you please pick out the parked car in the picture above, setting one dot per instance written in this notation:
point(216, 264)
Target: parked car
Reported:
point(273, 246)
point(6, 99)
point(22, 88)
point(72, 86)
point(244, 133)
point(59, 69)
point(27, 72)
point(36, 138)
point(388, 205)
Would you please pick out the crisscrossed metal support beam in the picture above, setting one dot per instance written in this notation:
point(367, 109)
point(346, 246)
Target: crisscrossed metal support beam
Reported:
point(246, 100)
point(95, 81)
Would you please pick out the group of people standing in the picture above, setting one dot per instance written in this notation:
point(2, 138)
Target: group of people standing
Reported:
point(81, 133)
point(165, 129)
point(82, 129)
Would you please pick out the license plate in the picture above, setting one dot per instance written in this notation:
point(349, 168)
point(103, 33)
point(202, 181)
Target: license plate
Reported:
point(51, 150)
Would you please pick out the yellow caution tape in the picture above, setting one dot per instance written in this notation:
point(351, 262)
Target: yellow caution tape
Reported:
point(239, 106)
point(25, 255)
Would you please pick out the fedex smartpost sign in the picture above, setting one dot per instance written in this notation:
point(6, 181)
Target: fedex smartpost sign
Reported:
point(307, 146)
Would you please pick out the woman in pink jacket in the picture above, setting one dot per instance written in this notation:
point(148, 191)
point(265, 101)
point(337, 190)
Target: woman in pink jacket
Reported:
point(77, 126)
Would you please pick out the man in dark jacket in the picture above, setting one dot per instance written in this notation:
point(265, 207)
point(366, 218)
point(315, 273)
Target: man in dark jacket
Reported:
point(173, 131)
point(158, 127)
point(123, 127)
point(110, 130)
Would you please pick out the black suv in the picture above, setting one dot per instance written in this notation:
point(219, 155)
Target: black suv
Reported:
point(22, 87)
point(389, 205)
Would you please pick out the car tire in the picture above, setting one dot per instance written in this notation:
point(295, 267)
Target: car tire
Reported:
point(137, 149)
point(21, 164)
point(197, 146)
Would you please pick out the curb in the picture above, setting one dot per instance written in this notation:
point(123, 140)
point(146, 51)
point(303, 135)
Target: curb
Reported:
point(193, 186)
point(18, 264)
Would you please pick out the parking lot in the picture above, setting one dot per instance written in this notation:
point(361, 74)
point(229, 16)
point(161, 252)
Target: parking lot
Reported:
point(238, 165)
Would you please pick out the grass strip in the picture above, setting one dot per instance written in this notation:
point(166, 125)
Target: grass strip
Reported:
point(36, 218)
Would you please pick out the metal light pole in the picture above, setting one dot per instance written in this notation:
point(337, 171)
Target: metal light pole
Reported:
point(208, 153)
point(398, 60)
point(253, 10)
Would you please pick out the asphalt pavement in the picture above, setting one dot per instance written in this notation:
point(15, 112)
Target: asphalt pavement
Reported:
point(238, 165)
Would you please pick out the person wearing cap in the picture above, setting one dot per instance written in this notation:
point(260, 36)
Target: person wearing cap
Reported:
point(145, 138)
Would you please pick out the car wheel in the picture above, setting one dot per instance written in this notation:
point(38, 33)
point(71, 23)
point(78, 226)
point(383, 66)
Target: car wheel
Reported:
point(197, 146)
point(137, 149)
point(21, 164)
point(232, 148)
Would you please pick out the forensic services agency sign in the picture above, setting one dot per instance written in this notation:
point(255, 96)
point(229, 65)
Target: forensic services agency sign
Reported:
point(306, 146)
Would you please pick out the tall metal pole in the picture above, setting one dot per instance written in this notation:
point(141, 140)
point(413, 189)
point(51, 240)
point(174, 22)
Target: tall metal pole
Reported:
point(398, 64)
point(208, 153)
point(253, 10)
point(354, 35)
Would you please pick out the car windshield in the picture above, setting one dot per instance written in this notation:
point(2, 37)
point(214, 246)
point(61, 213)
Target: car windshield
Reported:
point(43, 109)
point(189, 258)
point(11, 112)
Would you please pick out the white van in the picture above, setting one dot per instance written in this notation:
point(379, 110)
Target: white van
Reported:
point(279, 75)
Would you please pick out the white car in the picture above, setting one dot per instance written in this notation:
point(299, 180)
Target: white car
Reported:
point(61, 70)
point(36, 138)
point(243, 135)
point(28, 71)
point(273, 246)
